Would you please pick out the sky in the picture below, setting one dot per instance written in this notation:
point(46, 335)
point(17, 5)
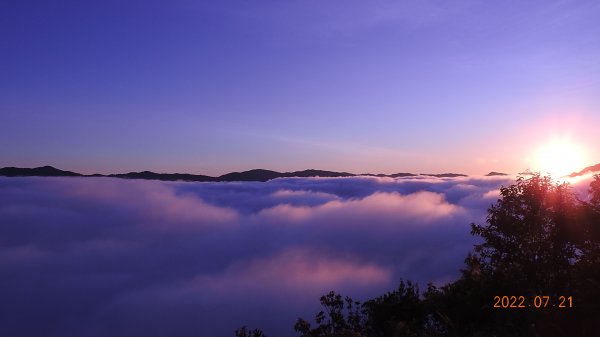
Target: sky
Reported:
point(210, 87)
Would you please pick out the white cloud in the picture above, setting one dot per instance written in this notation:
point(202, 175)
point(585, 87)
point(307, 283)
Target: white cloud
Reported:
point(158, 252)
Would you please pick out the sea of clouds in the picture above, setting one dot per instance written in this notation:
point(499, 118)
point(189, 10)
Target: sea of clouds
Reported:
point(111, 257)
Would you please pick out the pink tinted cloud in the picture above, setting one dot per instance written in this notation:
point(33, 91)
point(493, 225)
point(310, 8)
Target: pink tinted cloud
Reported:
point(122, 248)
point(293, 271)
point(157, 204)
point(491, 195)
point(387, 207)
point(286, 193)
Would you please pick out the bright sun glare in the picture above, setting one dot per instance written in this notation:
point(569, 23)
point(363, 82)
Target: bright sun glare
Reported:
point(559, 158)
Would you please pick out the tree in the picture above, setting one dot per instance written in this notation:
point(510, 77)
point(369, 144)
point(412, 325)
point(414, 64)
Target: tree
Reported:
point(539, 241)
point(586, 288)
point(244, 332)
point(595, 191)
point(340, 317)
point(397, 313)
point(590, 244)
point(529, 245)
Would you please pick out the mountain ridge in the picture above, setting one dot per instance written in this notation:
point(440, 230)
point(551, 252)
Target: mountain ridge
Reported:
point(42, 171)
point(249, 175)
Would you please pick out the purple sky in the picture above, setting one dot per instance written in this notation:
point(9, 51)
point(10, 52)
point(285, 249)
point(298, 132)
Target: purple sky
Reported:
point(361, 86)
point(210, 87)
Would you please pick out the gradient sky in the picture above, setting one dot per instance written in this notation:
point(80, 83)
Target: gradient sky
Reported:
point(361, 86)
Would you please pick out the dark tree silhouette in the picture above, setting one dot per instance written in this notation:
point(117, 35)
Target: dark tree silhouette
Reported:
point(340, 317)
point(528, 243)
point(586, 287)
point(244, 332)
point(397, 313)
point(536, 243)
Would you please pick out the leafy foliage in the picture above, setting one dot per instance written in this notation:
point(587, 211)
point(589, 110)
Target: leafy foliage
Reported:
point(400, 312)
point(244, 332)
point(528, 247)
point(339, 317)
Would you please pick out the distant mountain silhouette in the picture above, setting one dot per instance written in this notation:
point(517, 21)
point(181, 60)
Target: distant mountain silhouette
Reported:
point(318, 173)
point(494, 173)
point(44, 171)
point(394, 175)
point(265, 175)
point(589, 169)
point(444, 175)
point(402, 174)
point(161, 176)
point(251, 175)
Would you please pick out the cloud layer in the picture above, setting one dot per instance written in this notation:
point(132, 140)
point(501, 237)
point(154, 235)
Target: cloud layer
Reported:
point(109, 257)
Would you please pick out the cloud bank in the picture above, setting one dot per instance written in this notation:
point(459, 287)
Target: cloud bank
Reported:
point(110, 257)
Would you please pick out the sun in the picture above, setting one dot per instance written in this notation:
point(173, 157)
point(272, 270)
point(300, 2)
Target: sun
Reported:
point(559, 158)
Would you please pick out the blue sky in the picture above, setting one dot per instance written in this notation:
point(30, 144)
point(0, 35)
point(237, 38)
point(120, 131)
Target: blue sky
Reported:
point(361, 86)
